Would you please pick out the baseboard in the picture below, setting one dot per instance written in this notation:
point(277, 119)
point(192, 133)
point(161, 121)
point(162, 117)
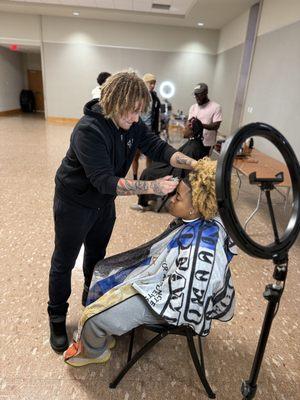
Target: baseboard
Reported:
point(61, 120)
point(10, 112)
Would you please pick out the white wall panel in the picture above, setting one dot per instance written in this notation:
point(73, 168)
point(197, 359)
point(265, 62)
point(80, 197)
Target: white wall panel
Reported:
point(277, 14)
point(11, 79)
point(71, 72)
point(129, 35)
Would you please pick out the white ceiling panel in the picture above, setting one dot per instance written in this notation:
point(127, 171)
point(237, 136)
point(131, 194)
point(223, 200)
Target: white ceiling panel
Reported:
point(179, 7)
point(186, 13)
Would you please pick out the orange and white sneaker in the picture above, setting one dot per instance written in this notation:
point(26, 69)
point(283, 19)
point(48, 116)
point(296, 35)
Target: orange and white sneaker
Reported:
point(73, 357)
point(79, 361)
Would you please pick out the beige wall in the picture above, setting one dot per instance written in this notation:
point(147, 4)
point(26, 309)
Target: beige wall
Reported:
point(23, 28)
point(129, 35)
point(234, 33)
point(112, 46)
point(230, 51)
point(225, 83)
point(71, 71)
point(273, 91)
point(277, 14)
point(11, 79)
point(74, 51)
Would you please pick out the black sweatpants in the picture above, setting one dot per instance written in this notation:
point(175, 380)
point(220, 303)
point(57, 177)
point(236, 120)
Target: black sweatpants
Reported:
point(75, 225)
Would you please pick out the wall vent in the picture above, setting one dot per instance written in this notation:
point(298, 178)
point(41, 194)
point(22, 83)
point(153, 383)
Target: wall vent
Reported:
point(157, 6)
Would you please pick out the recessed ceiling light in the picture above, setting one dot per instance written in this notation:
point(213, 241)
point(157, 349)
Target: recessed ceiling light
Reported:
point(76, 13)
point(200, 24)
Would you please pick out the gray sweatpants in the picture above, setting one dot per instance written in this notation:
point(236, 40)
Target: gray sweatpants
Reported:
point(117, 320)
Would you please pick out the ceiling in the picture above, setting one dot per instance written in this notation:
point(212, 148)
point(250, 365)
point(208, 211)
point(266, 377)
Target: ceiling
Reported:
point(173, 7)
point(214, 14)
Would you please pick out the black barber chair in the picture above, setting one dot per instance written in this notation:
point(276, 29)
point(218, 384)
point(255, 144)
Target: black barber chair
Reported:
point(162, 331)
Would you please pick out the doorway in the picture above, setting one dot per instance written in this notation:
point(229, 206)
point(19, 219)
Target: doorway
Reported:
point(35, 83)
point(33, 76)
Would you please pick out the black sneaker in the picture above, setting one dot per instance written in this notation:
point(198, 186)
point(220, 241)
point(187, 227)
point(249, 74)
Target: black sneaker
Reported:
point(58, 334)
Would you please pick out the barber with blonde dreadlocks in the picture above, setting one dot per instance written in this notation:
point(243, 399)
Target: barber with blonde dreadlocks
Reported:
point(91, 175)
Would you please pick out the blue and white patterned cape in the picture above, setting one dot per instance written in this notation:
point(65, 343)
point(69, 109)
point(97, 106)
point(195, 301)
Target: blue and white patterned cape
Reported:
point(183, 274)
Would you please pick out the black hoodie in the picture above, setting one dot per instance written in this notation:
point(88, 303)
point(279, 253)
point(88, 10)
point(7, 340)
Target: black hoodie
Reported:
point(100, 154)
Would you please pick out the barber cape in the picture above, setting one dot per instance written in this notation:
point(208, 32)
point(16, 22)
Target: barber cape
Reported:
point(183, 275)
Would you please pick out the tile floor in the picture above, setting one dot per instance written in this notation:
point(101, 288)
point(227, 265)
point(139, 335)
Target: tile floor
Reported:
point(30, 152)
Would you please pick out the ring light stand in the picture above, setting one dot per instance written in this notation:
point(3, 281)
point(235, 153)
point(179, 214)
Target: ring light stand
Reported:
point(276, 251)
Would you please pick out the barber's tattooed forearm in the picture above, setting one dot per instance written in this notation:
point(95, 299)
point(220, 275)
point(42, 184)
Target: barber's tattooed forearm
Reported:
point(156, 187)
point(183, 160)
point(180, 160)
point(128, 187)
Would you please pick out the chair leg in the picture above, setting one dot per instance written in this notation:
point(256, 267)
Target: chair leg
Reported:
point(137, 355)
point(201, 354)
point(130, 345)
point(198, 366)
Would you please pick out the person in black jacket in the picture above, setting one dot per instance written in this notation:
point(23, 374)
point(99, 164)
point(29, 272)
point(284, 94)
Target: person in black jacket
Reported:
point(91, 175)
point(150, 117)
point(193, 148)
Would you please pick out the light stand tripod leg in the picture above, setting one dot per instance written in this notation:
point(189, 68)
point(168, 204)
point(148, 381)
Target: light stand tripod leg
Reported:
point(272, 294)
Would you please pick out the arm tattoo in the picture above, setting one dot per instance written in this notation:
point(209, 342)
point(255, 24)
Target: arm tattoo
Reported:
point(156, 187)
point(181, 159)
point(126, 187)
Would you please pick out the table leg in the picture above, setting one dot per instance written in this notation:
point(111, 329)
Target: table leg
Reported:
point(255, 211)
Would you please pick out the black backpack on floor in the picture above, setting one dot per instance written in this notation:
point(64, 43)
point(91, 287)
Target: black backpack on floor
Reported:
point(27, 101)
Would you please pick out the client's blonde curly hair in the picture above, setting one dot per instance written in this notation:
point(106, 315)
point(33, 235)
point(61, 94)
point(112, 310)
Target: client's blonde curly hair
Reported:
point(203, 183)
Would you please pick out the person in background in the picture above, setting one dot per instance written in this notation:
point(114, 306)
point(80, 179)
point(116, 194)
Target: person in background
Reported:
point(181, 277)
point(193, 131)
point(101, 80)
point(91, 175)
point(209, 113)
point(150, 118)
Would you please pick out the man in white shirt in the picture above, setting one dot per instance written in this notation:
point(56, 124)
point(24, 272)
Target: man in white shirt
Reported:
point(208, 112)
point(96, 92)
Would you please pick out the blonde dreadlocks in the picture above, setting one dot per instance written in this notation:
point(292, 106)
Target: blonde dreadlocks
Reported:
point(122, 93)
point(203, 183)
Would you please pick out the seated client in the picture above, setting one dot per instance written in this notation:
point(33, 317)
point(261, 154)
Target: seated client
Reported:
point(181, 277)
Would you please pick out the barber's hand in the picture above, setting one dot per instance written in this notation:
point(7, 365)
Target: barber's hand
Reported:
point(194, 164)
point(164, 185)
